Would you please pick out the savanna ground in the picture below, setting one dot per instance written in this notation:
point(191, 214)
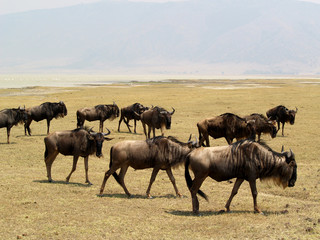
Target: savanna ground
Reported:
point(33, 208)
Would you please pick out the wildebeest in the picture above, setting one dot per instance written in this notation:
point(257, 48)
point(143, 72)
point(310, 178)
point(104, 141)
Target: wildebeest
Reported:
point(281, 114)
point(160, 153)
point(80, 142)
point(262, 125)
point(227, 125)
point(48, 111)
point(11, 117)
point(131, 112)
point(244, 160)
point(156, 118)
point(100, 112)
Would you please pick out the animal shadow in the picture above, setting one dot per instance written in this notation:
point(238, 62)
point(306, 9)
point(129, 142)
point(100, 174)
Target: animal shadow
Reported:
point(137, 196)
point(64, 183)
point(215, 213)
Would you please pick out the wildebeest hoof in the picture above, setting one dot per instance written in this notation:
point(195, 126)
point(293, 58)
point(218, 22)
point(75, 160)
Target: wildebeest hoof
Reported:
point(223, 211)
point(149, 197)
point(89, 183)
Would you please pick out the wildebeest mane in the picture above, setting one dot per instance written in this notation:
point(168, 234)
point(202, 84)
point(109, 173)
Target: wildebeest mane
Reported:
point(172, 153)
point(262, 157)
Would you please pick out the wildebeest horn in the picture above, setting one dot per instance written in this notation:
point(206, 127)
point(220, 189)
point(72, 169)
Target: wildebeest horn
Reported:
point(282, 148)
point(106, 134)
point(172, 111)
point(190, 137)
point(296, 109)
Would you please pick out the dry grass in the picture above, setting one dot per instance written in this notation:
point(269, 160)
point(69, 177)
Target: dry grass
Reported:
point(32, 208)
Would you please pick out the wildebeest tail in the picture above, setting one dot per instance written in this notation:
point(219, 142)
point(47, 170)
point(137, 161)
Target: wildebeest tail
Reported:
point(115, 175)
point(189, 180)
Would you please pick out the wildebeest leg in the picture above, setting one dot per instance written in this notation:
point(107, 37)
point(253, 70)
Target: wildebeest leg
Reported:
point(173, 181)
point(121, 118)
point(101, 126)
point(8, 134)
point(49, 160)
point(48, 125)
point(229, 140)
point(135, 125)
point(254, 195)
point(153, 177)
point(282, 128)
point(86, 167)
point(149, 131)
point(74, 166)
point(196, 184)
point(127, 123)
point(235, 189)
point(122, 173)
point(259, 135)
point(27, 127)
point(144, 130)
point(111, 171)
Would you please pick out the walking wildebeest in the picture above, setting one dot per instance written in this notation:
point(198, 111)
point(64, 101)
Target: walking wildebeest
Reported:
point(156, 118)
point(11, 117)
point(227, 125)
point(262, 125)
point(131, 112)
point(80, 142)
point(281, 114)
point(157, 153)
point(244, 160)
point(47, 110)
point(100, 112)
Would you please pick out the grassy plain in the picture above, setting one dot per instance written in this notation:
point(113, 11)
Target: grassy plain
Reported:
point(32, 208)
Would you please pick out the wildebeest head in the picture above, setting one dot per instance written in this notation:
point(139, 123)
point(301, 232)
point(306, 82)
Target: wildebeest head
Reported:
point(274, 128)
point(292, 115)
point(250, 129)
point(292, 165)
point(22, 115)
point(98, 138)
point(165, 117)
point(114, 110)
point(61, 109)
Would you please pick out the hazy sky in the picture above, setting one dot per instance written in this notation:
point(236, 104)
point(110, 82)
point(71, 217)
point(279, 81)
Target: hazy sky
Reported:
point(11, 6)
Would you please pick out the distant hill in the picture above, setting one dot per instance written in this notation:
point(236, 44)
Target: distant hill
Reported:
point(192, 37)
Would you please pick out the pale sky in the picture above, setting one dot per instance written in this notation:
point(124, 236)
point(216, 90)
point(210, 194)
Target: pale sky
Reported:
point(11, 6)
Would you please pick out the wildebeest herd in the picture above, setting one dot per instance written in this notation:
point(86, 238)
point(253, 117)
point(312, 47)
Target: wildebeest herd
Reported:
point(246, 159)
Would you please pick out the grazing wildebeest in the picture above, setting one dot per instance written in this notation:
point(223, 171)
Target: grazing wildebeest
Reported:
point(80, 142)
point(244, 160)
point(157, 153)
point(11, 117)
point(131, 112)
point(227, 125)
point(100, 112)
point(156, 118)
point(47, 110)
point(262, 125)
point(281, 114)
